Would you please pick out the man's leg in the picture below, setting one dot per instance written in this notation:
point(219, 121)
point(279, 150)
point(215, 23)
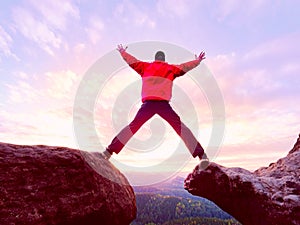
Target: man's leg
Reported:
point(167, 113)
point(144, 114)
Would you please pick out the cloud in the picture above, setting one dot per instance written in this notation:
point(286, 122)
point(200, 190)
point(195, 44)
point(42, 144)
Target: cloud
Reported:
point(282, 48)
point(18, 125)
point(58, 86)
point(22, 91)
point(37, 127)
point(279, 59)
point(131, 13)
point(6, 42)
point(259, 88)
point(21, 75)
point(251, 155)
point(44, 22)
point(239, 9)
point(61, 84)
point(95, 29)
point(266, 74)
point(179, 8)
point(44, 109)
point(56, 14)
point(36, 30)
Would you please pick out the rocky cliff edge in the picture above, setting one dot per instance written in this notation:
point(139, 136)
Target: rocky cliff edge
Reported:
point(56, 185)
point(269, 195)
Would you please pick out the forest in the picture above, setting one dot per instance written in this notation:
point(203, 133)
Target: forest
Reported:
point(157, 209)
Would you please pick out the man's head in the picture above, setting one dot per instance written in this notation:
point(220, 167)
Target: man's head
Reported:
point(160, 56)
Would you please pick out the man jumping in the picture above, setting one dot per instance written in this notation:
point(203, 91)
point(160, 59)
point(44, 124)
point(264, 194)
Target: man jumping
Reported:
point(157, 83)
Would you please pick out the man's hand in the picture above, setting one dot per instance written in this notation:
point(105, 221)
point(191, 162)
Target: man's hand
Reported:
point(121, 49)
point(201, 56)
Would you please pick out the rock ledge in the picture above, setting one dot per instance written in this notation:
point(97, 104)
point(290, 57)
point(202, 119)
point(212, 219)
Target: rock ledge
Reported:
point(269, 195)
point(56, 185)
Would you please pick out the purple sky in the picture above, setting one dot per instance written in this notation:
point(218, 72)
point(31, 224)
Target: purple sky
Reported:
point(252, 50)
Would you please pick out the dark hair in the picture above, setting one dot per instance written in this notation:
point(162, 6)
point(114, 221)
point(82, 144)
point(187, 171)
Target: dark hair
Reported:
point(160, 56)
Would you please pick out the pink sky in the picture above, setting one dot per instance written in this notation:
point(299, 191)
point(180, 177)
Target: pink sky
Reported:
point(252, 49)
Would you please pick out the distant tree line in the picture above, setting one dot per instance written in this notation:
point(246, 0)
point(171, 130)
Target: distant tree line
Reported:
point(156, 209)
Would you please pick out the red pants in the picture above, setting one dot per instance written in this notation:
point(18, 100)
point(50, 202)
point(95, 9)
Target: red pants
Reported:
point(163, 109)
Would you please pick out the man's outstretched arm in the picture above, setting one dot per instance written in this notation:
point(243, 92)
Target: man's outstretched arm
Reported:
point(126, 56)
point(133, 62)
point(121, 49)
point(201, 56)
point(185, 67)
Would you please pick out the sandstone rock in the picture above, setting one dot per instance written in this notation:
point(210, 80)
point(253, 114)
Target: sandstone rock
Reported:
point(56, 185)
point(269, 195)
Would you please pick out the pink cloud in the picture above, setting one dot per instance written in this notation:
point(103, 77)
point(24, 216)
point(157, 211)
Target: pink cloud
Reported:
point(244, 12)
point(261, 74)
point(22, 91)
point(44, 23)
point(95, 29)
point(181, 8)
point(128, 12)
point(36, 127)
point(61, 84)
point(6, 42)
point(56, 15)
point(260, 96)
point(36, 30)
point(44, 109)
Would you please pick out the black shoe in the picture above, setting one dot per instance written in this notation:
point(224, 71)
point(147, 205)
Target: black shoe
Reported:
point(204, 162)
point(106, 154)
point(203, 157)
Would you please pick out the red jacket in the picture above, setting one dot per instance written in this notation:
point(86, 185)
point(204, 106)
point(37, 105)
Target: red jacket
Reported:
point(158, 76)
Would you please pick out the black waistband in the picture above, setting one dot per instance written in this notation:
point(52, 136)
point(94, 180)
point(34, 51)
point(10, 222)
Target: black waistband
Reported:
point(156, 101)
